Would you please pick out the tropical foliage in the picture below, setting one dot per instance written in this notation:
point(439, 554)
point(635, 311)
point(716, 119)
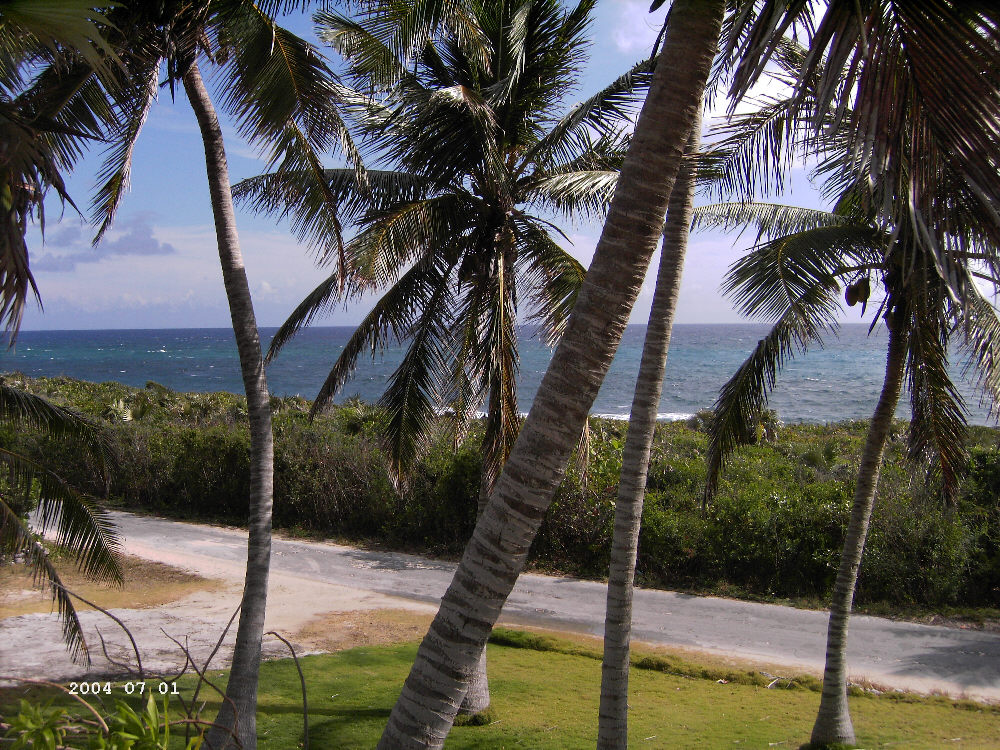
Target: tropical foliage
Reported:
point(32, 485)
point(46, 121)
point(455, 229)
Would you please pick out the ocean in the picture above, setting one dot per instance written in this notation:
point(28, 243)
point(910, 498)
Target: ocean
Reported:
point(838, 382)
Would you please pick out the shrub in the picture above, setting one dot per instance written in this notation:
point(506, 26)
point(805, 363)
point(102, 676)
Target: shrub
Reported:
point(775, 527)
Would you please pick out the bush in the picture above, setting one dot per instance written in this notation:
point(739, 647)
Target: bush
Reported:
point(774, 529)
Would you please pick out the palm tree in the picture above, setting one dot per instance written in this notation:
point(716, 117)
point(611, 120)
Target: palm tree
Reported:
point(922, 217)
point(613, 713)
point(792, 280)
point(499, 546)
point(280, 93)
point(451, 229)
point(80, 525)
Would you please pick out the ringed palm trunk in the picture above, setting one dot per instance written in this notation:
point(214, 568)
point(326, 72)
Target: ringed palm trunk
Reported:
point(613, 716)
point(239, 711)
point(496, 554)
point(833, 721)
point(477, 697)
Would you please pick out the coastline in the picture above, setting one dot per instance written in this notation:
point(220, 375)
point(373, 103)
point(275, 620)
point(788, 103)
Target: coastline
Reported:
point(838, 383)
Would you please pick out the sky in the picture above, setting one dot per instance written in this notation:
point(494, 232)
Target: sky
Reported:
point(158, 267)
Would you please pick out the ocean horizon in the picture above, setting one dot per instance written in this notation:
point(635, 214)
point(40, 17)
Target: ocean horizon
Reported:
point(838, 382)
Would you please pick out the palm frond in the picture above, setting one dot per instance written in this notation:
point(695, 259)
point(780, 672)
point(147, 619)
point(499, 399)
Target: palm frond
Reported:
point(938, 424)
point(296, 195)
point(606, 113)
point(780, 272)
point(391, 317)
point(584, 193)
point(402, 233)
point(371, 59)
point(16, 537)
point(771, 219)
point(913, 91)
point(319, 301)
point(499, 342)
point(116, 169)
point(979, 326)
point(419, 383)
point(754, 151)
point(552, 275)
point(21, 409)
point(72, 27)
point(744, 396)
point(292, 85)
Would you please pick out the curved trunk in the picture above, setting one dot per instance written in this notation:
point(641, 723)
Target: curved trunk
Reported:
point(499, 546)
point(833, 722)
point(239, 711)
point(613, 716)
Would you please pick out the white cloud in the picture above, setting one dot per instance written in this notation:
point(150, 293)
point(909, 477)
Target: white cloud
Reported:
point(635, 29)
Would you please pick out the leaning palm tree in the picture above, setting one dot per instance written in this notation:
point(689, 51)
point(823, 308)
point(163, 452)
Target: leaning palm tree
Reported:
point(452, 228)
point(498, 549)
point(281, 94)
point(792, 279)
point(80, 524)
point(612, 729)
point(496, 553)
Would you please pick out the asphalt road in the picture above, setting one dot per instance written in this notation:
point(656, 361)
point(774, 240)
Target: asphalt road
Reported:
point(895, 654)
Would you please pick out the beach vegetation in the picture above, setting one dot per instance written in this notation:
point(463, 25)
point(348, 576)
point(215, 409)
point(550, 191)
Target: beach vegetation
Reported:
point(331, 481)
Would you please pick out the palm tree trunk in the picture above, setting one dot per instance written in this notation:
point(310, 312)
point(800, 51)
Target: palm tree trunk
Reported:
point(239, 711)
point(613, 716)
point(833, 721)
point(499, 546)
point(477, 697)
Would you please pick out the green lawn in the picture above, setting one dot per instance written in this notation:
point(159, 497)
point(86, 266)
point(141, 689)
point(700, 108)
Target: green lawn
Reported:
point(548, 700)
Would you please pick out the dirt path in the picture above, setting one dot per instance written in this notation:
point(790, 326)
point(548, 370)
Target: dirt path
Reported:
point(314, 615)
point(326, 596)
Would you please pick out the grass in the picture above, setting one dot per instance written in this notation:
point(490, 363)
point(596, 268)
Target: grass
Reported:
point(147, 584)
point(547, 700)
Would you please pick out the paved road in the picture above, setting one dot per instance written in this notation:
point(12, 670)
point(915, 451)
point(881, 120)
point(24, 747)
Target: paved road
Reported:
point(895, 654)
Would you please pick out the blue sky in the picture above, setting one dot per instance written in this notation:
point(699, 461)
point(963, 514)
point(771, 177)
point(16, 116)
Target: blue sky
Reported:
point(158, 267)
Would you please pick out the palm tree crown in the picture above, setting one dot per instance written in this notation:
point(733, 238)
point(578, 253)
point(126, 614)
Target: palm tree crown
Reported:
point(452, 229)
point(51, 106)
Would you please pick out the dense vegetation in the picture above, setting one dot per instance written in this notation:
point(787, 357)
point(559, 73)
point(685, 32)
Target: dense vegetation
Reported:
point(774, 529)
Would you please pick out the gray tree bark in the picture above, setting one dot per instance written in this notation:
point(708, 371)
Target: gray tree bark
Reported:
point(833, 721)
point(496, 554)
point(613, 716)
point(477, 697)
point(239, 711)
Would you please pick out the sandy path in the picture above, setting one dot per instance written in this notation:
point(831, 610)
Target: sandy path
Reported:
point(313, 585)
point(31, 646)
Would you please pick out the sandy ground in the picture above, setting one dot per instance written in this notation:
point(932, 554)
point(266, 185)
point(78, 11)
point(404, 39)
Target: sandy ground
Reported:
point(325, 597)
point(314, 616)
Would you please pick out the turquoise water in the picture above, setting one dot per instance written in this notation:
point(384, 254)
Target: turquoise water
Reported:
point(839, 382)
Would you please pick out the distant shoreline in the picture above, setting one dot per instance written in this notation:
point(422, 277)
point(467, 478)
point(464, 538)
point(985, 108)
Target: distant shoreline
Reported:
point(840, 382)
